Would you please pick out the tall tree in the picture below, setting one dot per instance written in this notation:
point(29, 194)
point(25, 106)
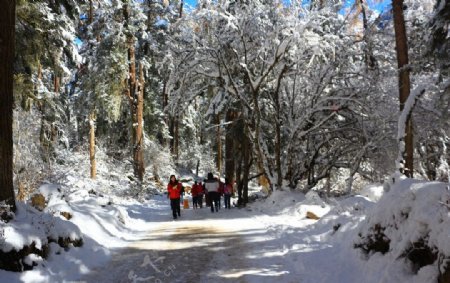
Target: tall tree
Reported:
point(219, 145)
point(135, 95)
point(7, 23)
point(92, 145)
point(401, 47)
point(230, 154)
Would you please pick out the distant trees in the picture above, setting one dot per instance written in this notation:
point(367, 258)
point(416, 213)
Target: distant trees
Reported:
point(295, 95)
point(7, 20)
point(45, 56)
point(298, 92)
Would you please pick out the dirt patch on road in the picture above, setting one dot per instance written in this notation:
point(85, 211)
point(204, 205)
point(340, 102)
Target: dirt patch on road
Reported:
point(176, 252)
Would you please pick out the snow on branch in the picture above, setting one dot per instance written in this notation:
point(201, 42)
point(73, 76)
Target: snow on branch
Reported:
point(407, 110)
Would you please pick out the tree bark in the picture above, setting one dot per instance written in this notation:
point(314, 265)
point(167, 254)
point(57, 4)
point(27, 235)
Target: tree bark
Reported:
point(219, 146)
point(368, 54)
point(239, 148)
point(276, 99)
point(39, 72)
point(239, 179)
point(91, 12)
point(177, 138)
point(229, 147)
point(139, 128)
point(92, 145)
point(164, 141)
point(181, 9)
point(263, 181)
point(56, 83)
point(401, 47)
point(172, 135)
point(7, 29)
point(246, 148)
point(136, 101)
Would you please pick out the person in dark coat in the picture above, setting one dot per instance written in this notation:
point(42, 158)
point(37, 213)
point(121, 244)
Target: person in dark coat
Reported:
point(212, 186)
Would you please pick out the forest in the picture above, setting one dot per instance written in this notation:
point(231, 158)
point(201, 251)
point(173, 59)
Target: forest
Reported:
point(321, 98)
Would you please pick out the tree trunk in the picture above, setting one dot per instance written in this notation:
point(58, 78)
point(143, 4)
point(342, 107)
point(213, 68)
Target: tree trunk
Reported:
point(401, 46)
point(368, 54)
point(239, 148)
point(92, 145)
point(278, 153)
point(177, 138)
point(239, 179)
point(164, 140)
point(91, 12)
point(219, 146)
point(276, 99)
point(139, 128)
point(39, 72)
point(7, 19)
point(197, 167)
point(181, 8)
point(263, 181)
point(56, 83)
point(172, 135)
point(136, 100)
point(246, 148)
point(229, 147)
point(53, 131)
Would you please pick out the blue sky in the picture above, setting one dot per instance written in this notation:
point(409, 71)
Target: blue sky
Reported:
point(191, 2)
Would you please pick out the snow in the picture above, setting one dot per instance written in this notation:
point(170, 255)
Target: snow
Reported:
point(421, 215)
point(373, 192)
point(31, 226)
point(402, 120)
point(271, 239)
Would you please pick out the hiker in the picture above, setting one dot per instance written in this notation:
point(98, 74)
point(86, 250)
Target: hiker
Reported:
point(174, 192)
point(212, 186)
point(221, 185)
point(181, 193)
point(200, 193)
point(205, 192)
point(195, 190)
point(227, 192)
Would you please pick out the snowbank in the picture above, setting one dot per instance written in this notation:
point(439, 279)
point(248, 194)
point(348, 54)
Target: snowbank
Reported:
point(292, 203)
point(374, 192)
point(411, 224)
point(26, 237)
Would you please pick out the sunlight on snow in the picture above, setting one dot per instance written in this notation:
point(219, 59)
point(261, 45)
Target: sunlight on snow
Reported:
point(236, 273)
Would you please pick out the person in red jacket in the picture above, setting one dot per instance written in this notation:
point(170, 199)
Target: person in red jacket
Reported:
point(200, 193)
point(174, 191)
point(227, 192)
point(194, 192)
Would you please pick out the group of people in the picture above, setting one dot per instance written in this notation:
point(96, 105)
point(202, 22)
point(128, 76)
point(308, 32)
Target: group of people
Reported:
point(212, 188)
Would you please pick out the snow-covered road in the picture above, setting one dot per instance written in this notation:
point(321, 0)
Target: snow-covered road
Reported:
point(269, 241)
point(200, 247)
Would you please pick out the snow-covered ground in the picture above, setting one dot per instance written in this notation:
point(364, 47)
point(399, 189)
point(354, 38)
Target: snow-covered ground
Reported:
point(270, 240)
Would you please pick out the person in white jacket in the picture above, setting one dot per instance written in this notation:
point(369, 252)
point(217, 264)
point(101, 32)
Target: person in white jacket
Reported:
point(212, 187)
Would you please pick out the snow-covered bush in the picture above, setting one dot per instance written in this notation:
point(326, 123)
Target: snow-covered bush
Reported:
point(26, 238)
point(410, 222)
